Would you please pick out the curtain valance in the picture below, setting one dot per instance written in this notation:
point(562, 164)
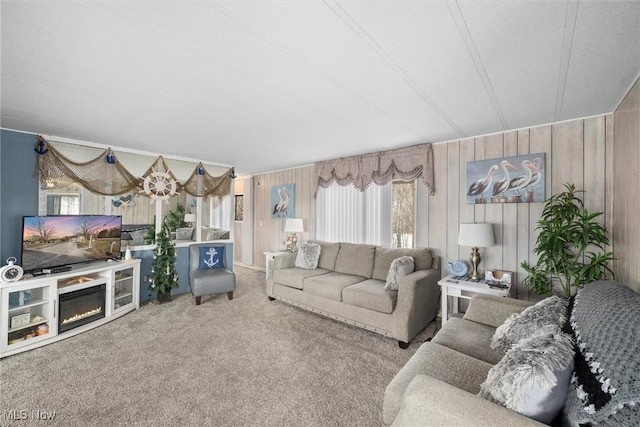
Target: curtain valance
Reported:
point(403, 163)
point(105, 175)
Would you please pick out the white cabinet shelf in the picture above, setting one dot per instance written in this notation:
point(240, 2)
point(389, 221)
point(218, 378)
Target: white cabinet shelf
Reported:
point(29, 308)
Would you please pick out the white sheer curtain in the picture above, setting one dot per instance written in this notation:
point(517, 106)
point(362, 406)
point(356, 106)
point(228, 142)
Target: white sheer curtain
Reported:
point(344, 214)
point(220, 212)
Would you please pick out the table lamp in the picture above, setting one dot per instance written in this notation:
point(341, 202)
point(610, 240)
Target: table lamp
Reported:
point(476, 236)
point(293, 226)
point(190, 218)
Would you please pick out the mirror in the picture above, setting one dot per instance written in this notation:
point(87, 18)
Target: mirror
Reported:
point(136, 208)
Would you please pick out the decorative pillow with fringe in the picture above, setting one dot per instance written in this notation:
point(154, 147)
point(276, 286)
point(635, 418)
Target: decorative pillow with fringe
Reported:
point(399, 267)
point(533, 377)
point(308, 255)
point(550, 311)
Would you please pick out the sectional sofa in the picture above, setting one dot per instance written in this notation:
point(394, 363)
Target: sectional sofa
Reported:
point(445, 381)
point(348, 285)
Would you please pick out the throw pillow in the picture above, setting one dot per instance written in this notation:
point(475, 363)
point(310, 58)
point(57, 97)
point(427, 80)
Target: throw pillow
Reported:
point(184, 233)
point(549, 311)
point(399, 267)
point(211, 257)
point(533, 377)
point(308, 255)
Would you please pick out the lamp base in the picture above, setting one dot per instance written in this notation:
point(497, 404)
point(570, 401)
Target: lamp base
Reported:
point(475, 259)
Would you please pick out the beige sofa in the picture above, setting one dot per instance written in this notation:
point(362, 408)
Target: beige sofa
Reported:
point(439, 385)
point(348, 286)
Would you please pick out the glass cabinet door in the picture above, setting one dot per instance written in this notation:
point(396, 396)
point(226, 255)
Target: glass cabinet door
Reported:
point(123, 288)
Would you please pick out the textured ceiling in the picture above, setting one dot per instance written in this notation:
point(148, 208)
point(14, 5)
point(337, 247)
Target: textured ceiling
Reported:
point(267, 85)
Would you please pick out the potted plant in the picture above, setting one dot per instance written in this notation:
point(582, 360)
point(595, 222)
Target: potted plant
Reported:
point(570, 246)
point(163, 270)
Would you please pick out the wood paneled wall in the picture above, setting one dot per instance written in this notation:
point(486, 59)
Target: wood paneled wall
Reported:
point(269, 232)
point(578, 152)
point(626, 203)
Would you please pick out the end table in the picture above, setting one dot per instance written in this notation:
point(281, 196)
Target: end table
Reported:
point(452, 286)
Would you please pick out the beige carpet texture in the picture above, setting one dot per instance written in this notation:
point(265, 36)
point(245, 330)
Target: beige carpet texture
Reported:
point(245, 362)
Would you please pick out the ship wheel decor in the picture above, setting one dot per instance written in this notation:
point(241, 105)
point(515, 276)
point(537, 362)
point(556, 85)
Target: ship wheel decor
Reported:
point(158, 182)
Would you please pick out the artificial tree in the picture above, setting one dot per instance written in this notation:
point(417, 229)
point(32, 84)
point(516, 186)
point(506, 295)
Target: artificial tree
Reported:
point(163, 271)
point(570, 247)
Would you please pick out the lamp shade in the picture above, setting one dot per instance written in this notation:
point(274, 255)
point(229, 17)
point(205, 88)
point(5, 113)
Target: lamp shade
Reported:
point(189, 217)
point(293, 225)
point(476, 235)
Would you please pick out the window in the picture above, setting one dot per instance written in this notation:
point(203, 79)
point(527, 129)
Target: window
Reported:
point(63, 204)
point(345, 214)
point(403, 214)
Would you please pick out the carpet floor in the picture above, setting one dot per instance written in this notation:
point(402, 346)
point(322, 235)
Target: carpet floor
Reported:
point(245, 362)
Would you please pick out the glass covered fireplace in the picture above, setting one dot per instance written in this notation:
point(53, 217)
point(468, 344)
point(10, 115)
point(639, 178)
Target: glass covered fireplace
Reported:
point(80, 307)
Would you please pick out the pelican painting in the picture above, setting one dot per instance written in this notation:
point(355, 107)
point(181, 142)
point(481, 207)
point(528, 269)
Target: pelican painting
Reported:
point(283, 201)
point(479, 187)
point(499, 181)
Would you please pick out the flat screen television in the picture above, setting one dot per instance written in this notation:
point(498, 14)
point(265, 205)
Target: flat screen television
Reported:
point(54, 241)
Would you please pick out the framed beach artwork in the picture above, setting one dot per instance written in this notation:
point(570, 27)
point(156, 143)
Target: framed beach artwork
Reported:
point(283, 201)
point(517, 179)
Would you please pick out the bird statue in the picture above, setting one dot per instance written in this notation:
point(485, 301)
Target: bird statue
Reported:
point(480, 186)
point(503, 185)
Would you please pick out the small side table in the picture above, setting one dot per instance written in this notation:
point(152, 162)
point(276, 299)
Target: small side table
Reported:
point(453, 287)
point(270, 256)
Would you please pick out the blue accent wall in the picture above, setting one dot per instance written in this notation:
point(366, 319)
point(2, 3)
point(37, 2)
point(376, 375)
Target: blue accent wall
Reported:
point(18, 189)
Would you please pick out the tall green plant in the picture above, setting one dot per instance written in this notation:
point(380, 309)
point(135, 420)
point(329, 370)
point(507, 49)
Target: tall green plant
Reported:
point(570, 246)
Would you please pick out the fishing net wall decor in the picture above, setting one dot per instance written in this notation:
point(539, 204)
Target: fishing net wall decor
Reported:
point(106, 176)
point(201, 184)
point(103, 175)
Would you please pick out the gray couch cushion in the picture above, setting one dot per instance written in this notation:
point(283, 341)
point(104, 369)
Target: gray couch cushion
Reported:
point(356, 259)
point(385, 256)
point(493, 310)
point(294, 276)
point(450, 366)
point(330, 285)
point(328, 254)
point(470, 338)
point(370, 294)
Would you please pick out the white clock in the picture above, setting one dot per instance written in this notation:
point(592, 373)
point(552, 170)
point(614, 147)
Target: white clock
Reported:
point(10, 272)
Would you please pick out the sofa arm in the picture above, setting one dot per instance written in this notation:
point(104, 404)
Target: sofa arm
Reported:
point(429, 401)
point(417, 303)
point(493, 310)
point(286, 260)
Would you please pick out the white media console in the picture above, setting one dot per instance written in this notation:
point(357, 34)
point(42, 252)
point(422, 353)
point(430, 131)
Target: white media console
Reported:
point(48, 308)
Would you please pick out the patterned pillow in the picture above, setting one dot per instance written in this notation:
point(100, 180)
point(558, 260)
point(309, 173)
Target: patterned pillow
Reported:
point(533, 377)
point(308, 255)
point(549, 311)
point(184, 233)
point(211, 257)
point(399, 267)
